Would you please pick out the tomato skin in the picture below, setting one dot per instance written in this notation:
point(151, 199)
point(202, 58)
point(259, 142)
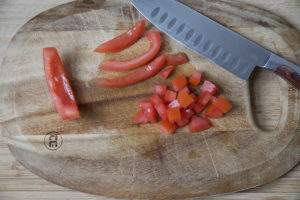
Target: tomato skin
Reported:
point(195, 78)
point(204, 98)
point(222, 104)
point(167, 127)
point(174, 114)
point(160, 90)
point(161, 109)
point(137, 76)
point(156, 99)
point(188, 113)
point(170, 96)
point(149, 111)
point(209, 87)
point(183, 121)
point(59, 85)
point(199, 124)
point(155, 44)
point(166, 72)
point(174, 104)
point(124, 40)
point(213, 112)
point(179, 82)
point(176, 59)
point(140, 117)
point(185, 99)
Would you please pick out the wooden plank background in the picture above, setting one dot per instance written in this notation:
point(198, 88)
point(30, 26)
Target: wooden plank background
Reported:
point(18, 183)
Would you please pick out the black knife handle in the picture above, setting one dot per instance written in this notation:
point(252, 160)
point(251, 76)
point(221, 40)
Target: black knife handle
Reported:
point(285, 69)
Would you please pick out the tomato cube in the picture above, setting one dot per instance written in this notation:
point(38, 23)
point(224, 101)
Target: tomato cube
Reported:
point(156, 99)
point(161, 109)
point(184, 120)
point(185, 99)
point(140, 117)
point(160, 90)
point(204, 98)
point(199, 124)
point(195, 78)
point(184, 89)
point(209, 87)
point(174, 104)
point(198, 107)
point(179, 82)
point(170, 96)
point(174, 114)
point(213, 112)
point(222, 104)
point(188, 113)
point(148, 109)
point(167, 127)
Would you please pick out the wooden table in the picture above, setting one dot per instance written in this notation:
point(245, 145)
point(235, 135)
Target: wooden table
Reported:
point(18, 183)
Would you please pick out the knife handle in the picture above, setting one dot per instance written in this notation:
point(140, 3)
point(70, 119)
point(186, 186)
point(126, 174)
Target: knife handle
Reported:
point(285, 69)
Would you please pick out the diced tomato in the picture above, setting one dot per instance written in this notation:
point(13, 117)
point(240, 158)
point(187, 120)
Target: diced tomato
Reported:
point(199, 124)
point(155, 43)
point(195, 78)
point(161, 109)
point(174, 114)
point(193, 96)
point(59, 85)
point(148, 109)
point(174, 104)
point(183, 121)
point(204, 98)
point(140, 117)
point(222, 104)
point(166, 72)
point(198, 107)
point(137, 76)
point(170, 96)
point(160, 90)
point(184, 89)
point(209, 87)
point(166, 127)
point(188, 112)
point(124, 40)
point(176, 59)
point(213, 99)
point(156, 99)
point(185, 99)
point(179, 82)
point(213, 112)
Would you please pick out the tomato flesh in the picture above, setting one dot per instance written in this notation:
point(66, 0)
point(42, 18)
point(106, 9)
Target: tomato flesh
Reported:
point(176, 59)
point(195, 78)
point(160, 90)
point(209, 87)
point(140, 117)
point(166, 72)
point(213, 112)
point(179, 82)
point(148, 109)
point(167, 127)
point(222, 104)
point(199, 124)
point(155, 43)
point(59, 85)
point(170, 96)
point(124, 40)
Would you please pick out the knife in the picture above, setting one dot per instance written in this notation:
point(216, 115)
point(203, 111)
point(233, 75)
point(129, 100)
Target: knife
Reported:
point(210, 39)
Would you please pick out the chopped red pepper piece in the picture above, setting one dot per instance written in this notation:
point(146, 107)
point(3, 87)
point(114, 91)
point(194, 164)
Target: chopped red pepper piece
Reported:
point(155, 43)
point(137, 76)
point(59, 85)
point(166, 72)
point(185, 99)
point(195, 78)
point(179, 82)
point(124, 40)
point(213, 112)
point(209, 87)
point(199, 124)
point(176, 59)
point(166, 127)
point(170, 96)
point(222, 104)
point(160, 90)
point(174, 114)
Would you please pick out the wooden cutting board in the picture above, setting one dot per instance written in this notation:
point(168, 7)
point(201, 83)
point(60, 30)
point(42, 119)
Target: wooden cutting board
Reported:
point(104, 152)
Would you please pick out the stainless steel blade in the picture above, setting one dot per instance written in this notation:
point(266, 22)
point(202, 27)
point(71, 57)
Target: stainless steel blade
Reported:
point(205, 36)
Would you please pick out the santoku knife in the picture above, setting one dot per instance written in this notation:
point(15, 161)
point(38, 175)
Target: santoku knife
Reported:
point(210, 39)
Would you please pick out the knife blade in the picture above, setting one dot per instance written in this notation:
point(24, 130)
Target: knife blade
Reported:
point(212, 40)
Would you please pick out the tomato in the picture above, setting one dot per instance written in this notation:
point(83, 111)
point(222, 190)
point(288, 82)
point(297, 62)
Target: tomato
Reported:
point(209, 87)
point(140, 117)
point(179, 82)
point(184, 89)
point(222, 104)
point(183, 121)
point(213, 112)
point(148, 109)
point(166, 72)
point(195, 78)
point(198, 107)
point(188, 112)
point(59, 85)
point(155, 43)
point(174, 114)
point(160, 90)
point(167, 127)
point(204, 98)
point(137, 76)
point(176, 59)
point(156, 99)
point(170, 96)
point(174, 104)
point(124, 40)
point(185, 99)
point(161, 109)
point(199, 124)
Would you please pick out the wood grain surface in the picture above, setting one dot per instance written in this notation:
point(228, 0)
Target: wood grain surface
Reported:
point(111, 156)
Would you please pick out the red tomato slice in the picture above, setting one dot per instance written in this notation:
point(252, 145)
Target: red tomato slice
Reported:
point(213, 112)
point(160, 90)
point(166, 72)
point(209, 87)
point(140, 117)
point(176, 59)
point(199, 124)
point(59, 85)
point(155, 43)
point(124, 40)
point(137, 76)
point(166, 127)
point(161, 109)
point(148, 109)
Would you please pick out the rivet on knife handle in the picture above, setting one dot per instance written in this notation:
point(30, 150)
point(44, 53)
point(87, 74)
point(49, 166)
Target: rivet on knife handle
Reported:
point(284, 68)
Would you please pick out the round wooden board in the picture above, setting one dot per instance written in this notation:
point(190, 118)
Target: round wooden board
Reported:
point(104, 152)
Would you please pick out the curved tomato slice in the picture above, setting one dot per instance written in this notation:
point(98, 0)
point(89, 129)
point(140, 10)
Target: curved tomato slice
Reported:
point(124, 40)
point(176, 59)
point(155, 43)
point(137, 76)
point(59, 85)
